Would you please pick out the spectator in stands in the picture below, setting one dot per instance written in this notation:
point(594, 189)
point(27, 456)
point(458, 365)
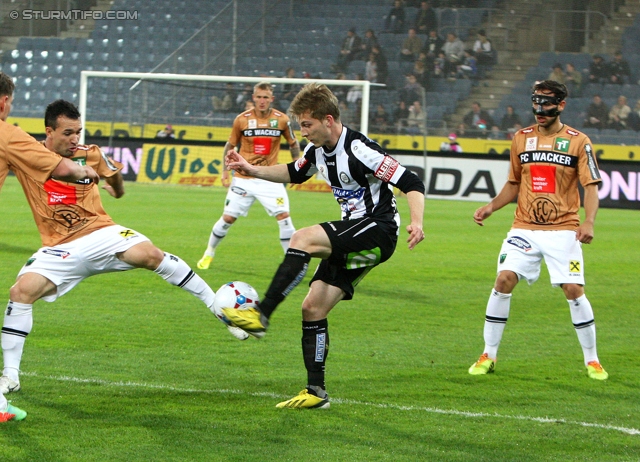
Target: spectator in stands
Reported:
point(432, 47)
point(225, 101)
point(381, 63)
point(395, 19)
point(557, 73)
point(573, 80)
point(400, 115)
point(426, 19)
point(166, 133)
point(633, 122)
point(461, 131)
point(379, 120)
point(483, 49)
point(477, 119)
point(351, 46)
point(597, 114)
point(510, 119)
point(369, 42)
point(289, 90)
point(453, 50)
point(468, 69)
point(421, 73)
point(512, 131)
point(412, 90)
point(245, 95)
point(619, 114)
point(416, 120)
point(340, 90)
point(439, 65)
point(451, 145)
point(411, 47)
point(354, 94)
point(371, 68)
point(598, 70)
point(618, 69)
point(496, 134)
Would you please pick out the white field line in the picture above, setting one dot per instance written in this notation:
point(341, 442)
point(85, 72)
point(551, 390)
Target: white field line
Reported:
point(433, 410)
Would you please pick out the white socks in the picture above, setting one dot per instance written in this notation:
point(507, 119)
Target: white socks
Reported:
point(495, 321)
point(286, 231)
point(177, 272)
point(582, 318)
point(219, 231)
point(18, 321)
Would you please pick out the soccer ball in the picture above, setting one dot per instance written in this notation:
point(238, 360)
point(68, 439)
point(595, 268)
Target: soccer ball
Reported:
point(236, 294)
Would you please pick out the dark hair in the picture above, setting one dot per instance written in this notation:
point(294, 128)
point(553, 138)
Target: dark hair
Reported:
point(558, 89)
point(6, 85)
point(59, 108)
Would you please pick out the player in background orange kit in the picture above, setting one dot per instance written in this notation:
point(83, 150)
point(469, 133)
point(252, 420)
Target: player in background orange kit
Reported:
point(21, 152)
point(547, 161)
point(258, 132)
point(79, 240)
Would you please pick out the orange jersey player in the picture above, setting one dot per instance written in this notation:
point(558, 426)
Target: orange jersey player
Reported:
point(79, 240)
point(258, 132)
point(548, 160)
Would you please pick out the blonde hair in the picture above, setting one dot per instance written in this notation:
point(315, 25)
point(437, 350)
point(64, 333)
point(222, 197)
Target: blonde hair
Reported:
point(316, 99)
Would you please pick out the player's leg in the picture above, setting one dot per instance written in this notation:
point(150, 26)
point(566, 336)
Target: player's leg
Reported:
point(305, 243)
point(18, 322)
point(518, 259)
point(237, 203)
point(321, 298)
point(285, 224)
point(9, 412)
point(565, 263)
point(274, 199)
point(173, 270)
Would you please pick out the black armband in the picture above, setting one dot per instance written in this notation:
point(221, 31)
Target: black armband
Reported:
point(409, 181)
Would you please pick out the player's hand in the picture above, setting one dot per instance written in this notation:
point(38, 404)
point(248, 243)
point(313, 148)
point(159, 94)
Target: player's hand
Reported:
point(482, 213)
point(110, 190)
point(236, 162)
point(585, 233)
point(416, 235)
point(225, 178)
point(91, 174)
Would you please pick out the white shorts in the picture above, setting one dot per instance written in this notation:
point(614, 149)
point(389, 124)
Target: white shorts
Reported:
point(523, 250)
point(244, 191)
point(66, 265)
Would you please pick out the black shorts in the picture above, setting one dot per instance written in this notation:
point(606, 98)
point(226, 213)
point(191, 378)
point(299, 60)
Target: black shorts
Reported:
point(357, 247)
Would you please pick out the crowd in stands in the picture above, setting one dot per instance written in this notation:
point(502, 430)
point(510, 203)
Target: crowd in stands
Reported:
point(423, 56)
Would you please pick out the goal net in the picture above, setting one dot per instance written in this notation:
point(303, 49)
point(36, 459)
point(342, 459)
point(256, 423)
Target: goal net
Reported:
point(198, 107)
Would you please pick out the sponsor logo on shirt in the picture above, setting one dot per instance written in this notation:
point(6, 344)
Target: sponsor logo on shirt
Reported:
point(543, 178)
point(572, 132)
point(252, 123)
point(273, 123)
point(526, 130)
point(60, 193)
point(532, 144)
point(562, 145)
point(261, 132)
point(549, 157)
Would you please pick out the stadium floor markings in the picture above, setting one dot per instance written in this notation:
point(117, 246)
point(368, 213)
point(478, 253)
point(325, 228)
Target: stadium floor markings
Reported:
point(629, 431)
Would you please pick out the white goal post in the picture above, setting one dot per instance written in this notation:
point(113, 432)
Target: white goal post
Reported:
point(136, 78)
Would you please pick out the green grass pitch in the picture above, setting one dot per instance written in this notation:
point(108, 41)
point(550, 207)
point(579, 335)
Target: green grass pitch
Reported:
point(129, 368)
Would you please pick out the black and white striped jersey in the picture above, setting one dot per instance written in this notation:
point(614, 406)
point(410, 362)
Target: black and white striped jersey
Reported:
point(359, 172)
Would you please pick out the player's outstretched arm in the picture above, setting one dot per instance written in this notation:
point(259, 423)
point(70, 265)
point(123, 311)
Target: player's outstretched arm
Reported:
point(508, 193)
point(278, 173)
point(69, 171)
point(415, 200)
